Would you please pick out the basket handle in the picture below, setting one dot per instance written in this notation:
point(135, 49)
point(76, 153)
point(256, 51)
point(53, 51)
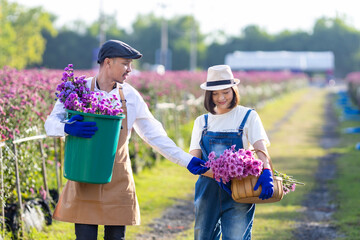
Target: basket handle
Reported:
point(267, 155)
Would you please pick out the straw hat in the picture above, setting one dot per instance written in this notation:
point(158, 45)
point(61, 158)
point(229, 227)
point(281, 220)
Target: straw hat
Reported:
point(219, 77)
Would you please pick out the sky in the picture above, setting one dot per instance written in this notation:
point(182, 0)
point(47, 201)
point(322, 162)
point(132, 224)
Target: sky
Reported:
point(230, 16)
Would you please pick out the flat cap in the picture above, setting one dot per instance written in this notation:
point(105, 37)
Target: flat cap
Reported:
point(116, 48)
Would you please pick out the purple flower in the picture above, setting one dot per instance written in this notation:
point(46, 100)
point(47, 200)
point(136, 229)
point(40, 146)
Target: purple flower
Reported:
point(74, 94)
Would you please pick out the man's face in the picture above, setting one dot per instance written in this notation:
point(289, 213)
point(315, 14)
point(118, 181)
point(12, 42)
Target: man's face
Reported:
point(120, 69)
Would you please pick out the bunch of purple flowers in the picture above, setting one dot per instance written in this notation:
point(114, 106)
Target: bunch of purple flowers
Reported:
point(74, 94)
point(234, 164)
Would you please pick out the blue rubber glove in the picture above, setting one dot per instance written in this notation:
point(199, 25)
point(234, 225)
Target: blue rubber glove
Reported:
point(197, 166)
point(226, 187)
point(80, 129)
point(266, 182)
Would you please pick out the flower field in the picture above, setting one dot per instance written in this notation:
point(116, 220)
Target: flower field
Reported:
point(175, 98)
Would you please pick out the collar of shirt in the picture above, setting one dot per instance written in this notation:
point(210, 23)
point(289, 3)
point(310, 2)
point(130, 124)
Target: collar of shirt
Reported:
point(98, 87)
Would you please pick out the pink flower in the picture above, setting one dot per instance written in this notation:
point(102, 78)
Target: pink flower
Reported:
point(233, 163)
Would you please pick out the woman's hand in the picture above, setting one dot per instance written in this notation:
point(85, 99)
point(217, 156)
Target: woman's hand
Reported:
point(266, 182)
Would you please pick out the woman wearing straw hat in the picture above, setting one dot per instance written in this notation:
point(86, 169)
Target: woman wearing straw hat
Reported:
point(226, 124)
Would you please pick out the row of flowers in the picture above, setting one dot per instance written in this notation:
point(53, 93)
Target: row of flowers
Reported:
point(27, 96)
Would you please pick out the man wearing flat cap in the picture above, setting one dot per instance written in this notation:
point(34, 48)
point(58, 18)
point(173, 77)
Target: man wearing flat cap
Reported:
point(114, 204)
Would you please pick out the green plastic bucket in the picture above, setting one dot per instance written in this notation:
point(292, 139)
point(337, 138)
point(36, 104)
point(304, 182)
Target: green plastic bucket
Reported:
point(91, 160)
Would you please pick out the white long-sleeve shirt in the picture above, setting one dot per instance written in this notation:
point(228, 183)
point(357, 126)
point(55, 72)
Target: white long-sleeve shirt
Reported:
point(138, 116)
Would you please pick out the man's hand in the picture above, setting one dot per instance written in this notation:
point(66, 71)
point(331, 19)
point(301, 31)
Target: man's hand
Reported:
point(266, 182)
point(80, 129)
point(197, 166)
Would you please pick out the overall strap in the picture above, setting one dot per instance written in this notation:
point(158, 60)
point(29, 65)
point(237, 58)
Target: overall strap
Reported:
point(206, 121)
point(244, 120)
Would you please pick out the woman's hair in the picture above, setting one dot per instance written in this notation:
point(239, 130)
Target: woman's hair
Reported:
point(210, 105)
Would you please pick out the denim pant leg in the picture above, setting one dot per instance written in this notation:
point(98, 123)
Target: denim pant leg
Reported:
point(114, 232)
point(86, 231)
point(207, 209)
point(237, 221)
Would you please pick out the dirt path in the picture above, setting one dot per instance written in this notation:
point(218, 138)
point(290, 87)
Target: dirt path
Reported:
point(176, 219)
point(319, 206)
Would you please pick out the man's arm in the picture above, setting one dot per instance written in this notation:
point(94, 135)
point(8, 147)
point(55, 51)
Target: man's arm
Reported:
point(53, 126)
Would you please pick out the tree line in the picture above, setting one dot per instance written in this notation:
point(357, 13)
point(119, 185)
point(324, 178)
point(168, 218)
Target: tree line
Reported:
point(28, 39)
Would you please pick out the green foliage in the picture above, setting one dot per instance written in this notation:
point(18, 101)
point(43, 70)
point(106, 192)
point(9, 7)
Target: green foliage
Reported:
point(342, 39)
point(69, 47)
point(21, 40)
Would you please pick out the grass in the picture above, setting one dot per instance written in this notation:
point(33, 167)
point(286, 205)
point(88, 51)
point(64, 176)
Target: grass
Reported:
point(347, 183)
point(294, 150)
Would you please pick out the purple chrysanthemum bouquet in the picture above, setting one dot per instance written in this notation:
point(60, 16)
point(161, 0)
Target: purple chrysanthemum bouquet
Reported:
point(74, 94)
point(240, 164)
point(234, 164)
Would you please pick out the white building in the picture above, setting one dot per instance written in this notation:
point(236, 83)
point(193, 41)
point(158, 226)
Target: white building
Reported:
point(281, 60)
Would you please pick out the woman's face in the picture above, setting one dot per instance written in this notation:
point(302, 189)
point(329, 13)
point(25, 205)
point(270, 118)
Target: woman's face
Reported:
point(222, 99)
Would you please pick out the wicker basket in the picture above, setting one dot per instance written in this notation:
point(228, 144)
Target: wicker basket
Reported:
point(243, 190)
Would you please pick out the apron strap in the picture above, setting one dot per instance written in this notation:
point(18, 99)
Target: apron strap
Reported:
point(244, 120)
point(121, 94)
point(122, 98)
point(93, 83)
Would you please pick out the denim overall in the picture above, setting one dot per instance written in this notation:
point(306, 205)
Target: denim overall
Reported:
point(215, 210)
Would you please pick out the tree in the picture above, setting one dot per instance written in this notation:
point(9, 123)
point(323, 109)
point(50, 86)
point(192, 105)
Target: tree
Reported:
point(78, 43)
point(146, 37)
point(21, 41)
point(70, 47)
point(333, 34)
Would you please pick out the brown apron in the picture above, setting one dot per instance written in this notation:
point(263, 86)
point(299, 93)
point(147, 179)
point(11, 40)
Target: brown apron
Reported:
point(114, 203)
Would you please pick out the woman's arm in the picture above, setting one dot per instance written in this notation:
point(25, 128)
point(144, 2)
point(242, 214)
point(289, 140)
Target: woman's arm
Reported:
point(260, 145)
point(197, 153)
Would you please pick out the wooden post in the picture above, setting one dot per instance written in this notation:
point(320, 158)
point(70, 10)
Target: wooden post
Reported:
point(2, 192)
point(18, 190)
point(43, 168)
point(57, 166)
point(61, 153)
